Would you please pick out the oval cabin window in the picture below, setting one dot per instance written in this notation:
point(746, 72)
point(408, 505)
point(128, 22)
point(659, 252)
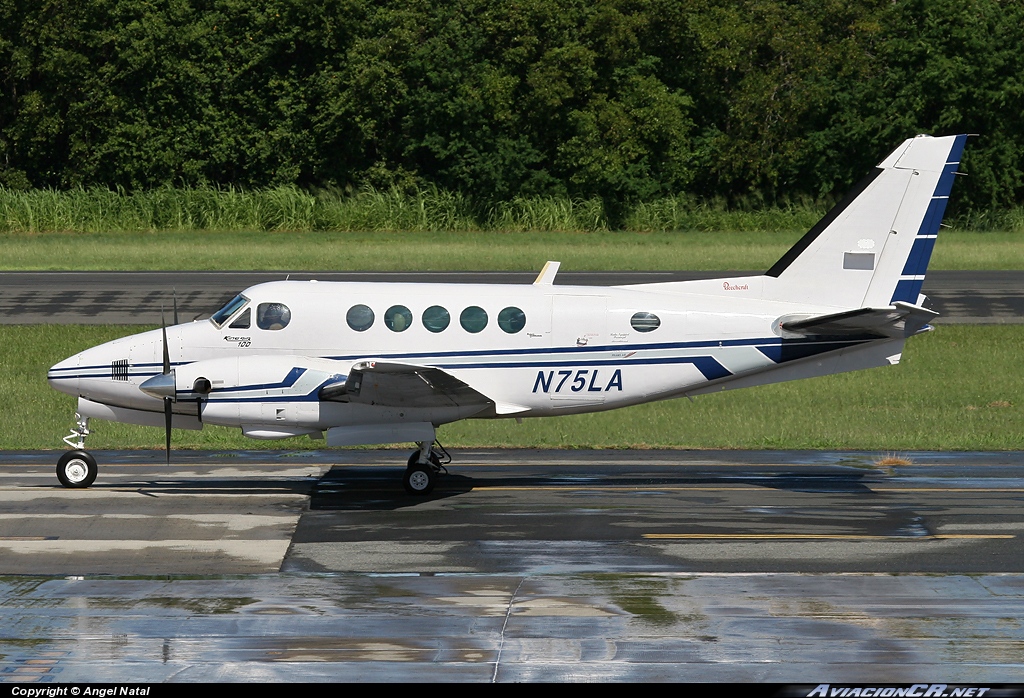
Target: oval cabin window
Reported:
point(645, 322)
point(511, 320)
point(473, 319)
point(436, 319)
point(359, 317)
point(398, 318)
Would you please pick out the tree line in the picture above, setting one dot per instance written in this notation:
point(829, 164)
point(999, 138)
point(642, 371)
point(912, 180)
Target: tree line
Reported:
point(753, 102)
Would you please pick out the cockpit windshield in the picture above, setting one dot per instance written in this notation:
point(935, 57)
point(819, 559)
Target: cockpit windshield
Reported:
point(229, 309)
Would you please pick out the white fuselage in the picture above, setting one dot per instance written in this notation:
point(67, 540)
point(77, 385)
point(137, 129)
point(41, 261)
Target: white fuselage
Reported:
point(579, 350)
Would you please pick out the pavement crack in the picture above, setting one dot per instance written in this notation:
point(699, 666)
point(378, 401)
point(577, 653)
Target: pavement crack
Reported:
point(501, 640)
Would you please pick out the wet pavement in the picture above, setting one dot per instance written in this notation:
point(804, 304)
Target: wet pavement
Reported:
point(522, 566)
point(481, 628)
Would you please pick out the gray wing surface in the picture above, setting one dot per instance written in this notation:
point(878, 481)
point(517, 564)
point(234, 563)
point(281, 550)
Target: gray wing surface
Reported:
point(402, 385)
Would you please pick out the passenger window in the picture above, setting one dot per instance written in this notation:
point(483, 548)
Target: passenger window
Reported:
point(398, 318)
point(272, 316)
point(360, 317)
point(436, 318)
point(511, 320)
point(473, 319)
point(645, 322)
point(242, 321)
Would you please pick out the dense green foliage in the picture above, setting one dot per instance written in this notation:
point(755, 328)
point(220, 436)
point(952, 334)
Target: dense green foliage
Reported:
point(620, 101)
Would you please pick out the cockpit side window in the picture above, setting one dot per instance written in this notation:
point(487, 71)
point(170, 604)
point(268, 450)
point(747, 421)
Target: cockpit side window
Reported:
point(272, 316)
point(229, 309)
point(243, 320)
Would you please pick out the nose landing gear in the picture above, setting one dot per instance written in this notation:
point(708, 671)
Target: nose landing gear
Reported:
point(77, 468)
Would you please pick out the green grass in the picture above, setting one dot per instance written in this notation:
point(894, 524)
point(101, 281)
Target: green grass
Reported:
point(958, 388)
point(290, 229)
point(451, 251)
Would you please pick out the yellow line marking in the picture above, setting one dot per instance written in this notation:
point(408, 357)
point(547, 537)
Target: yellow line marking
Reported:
point(820, 536)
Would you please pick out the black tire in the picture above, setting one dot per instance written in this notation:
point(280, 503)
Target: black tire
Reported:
point(419, 480)
point(76, 469)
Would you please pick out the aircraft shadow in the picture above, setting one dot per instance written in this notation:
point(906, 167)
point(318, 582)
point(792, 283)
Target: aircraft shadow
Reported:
point(155, 487)
point(348, 488)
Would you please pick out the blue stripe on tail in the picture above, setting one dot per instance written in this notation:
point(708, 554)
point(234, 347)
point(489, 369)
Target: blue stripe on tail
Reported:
point(908, 289)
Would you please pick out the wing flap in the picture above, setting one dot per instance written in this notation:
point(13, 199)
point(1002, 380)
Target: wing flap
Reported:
point(402, 385)
point(901, 320)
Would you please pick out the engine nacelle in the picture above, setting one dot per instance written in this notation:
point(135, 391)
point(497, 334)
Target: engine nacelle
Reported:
point(277, 391)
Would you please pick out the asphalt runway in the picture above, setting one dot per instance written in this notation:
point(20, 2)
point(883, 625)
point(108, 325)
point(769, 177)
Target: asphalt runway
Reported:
point(136, 298)
point(522, 566)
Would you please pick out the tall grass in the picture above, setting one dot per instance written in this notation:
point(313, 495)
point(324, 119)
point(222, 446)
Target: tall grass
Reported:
point(547, 214)
point(290, 209)
point(393, 210)
point(1008, 220)
point(684, 212)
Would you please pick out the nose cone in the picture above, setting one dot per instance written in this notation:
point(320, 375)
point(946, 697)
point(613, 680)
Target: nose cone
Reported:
point(64, 375)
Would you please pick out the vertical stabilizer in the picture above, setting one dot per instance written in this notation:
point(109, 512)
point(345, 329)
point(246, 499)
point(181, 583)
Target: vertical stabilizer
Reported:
point(872, 249)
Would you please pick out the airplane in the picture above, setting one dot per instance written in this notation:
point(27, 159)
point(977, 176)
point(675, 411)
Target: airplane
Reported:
point(380, 363)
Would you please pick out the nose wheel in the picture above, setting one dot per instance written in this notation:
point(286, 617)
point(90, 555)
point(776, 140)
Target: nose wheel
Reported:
point(76, 469)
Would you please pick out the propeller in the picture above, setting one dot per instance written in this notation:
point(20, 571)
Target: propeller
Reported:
point(163, 386)
point(168, 400)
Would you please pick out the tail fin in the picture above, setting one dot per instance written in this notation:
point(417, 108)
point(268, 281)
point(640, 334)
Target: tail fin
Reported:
point(872, 249)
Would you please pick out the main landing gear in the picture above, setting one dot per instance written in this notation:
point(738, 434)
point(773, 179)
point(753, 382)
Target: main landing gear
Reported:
point(77, 468)
point(425, 467)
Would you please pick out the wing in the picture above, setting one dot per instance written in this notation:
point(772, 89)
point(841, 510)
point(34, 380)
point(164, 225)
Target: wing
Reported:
point(402, 385)
point(902, 320)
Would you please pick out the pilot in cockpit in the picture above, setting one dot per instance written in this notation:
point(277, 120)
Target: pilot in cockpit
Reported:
point(273, 316)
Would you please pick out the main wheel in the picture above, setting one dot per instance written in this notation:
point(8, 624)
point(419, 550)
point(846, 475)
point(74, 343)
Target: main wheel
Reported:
point(419, 479)
point(76, 469)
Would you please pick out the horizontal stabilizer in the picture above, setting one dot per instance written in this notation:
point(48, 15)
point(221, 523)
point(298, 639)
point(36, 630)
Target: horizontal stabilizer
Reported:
point(902, 320)
point(402, 385)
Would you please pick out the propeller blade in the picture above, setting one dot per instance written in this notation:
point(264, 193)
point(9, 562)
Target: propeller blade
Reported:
point(174, 298)
point(167, 356)
point(167, 428)
point(167, 400)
